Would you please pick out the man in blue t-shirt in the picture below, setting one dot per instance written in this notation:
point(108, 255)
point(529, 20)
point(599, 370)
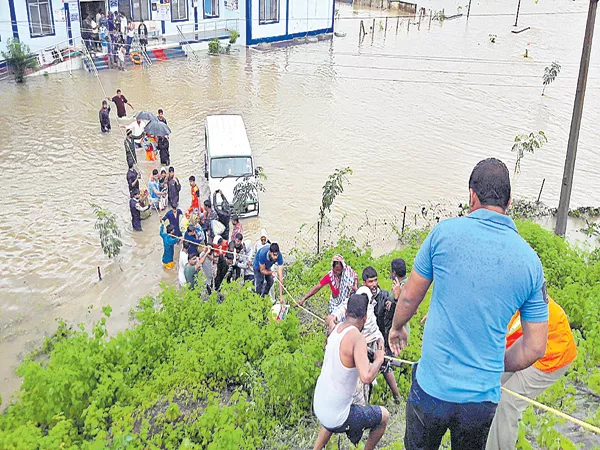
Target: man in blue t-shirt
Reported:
point(263, 275)
point(483, 272)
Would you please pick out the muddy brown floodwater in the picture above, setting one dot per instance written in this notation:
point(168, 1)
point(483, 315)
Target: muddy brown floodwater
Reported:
point(410, 111)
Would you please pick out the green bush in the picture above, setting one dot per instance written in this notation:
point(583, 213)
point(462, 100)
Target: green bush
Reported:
point(19, 58)
point(209, 373)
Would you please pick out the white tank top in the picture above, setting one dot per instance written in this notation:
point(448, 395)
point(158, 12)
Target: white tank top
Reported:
point(336, 384)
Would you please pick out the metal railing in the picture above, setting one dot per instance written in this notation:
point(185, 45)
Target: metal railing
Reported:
point(189, 51)
point(137, 46)
point(88, 61)
point(208, 29)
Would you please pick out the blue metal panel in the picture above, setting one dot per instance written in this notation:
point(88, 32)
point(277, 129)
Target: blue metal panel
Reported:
point(68, 19)
point(13, 19)
point(285, 37)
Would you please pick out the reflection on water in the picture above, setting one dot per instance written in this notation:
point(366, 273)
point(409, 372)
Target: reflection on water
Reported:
point(411, 111)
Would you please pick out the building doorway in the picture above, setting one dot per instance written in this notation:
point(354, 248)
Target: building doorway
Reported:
point(90, 8)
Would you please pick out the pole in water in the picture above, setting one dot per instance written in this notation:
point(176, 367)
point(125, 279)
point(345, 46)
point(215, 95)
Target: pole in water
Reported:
point(517, 17)
point(567, 181)
point(99, 274)
point(469, 10)
point(397, 23)
point(318, 236)
point(403, 220)
point(541, 189)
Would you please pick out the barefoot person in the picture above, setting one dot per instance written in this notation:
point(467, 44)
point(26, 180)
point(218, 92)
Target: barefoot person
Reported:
point(346, 362)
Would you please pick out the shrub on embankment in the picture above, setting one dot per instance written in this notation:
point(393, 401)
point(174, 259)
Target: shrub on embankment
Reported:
point(196, 373)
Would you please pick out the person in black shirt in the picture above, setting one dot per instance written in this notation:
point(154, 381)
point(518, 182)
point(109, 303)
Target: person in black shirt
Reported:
point(223, 212)
point(133, 179)
point(130, 149)
point(163, 150)
point(136, 208)
point(161, 116)
point(104, 115)
point(119, 100)
point(143, 34)
point(173, 188)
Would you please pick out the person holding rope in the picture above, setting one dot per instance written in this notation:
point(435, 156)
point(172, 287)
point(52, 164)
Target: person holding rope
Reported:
point(345, 363)
point(264, 259)
point(342, 281)
point(484, 272)
point(168, 246)
point(530, 382)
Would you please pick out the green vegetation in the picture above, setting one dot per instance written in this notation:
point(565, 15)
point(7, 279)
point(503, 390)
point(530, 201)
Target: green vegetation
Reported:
point(108, 229)
point(333, 187)
point(550, 74)
point(527, 143)
point(201, 372)
point(214, 46)
point(247, 191)
point(19, 58)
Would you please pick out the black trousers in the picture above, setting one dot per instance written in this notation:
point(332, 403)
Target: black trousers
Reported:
point(428, 418)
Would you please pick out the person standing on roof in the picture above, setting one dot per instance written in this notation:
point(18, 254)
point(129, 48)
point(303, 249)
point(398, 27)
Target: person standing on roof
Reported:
point(223, 212)
point(345, 363)
point(263, 275)
point(120, 101)
point(561, 351)
point(342, 280)
point(482, 273)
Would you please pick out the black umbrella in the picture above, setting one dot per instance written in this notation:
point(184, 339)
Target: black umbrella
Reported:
point(157, 128)
point(143, 115)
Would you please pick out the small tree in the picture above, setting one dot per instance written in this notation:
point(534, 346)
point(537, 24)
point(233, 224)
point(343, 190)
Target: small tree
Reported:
point(331, 189)
point(550, 74)
point(247, 191)
point(19, 58)
point(527, 143)
point(110, 235)
point(214, 46)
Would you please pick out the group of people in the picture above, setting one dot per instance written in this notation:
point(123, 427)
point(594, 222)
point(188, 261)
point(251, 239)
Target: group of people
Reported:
point(112, 35)
point(136, 135)
point(490, 324)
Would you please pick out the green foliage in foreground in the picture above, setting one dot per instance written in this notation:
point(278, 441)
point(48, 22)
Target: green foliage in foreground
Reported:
point(197, 373)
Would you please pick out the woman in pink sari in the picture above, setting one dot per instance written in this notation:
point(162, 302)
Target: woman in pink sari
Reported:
point(342, 280)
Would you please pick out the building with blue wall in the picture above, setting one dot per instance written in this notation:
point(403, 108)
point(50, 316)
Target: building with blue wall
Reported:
point(44, 23)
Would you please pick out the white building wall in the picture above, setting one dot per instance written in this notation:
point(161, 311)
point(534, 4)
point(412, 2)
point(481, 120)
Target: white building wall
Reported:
point(37, 43)
point(310, 15)
point(304, 16)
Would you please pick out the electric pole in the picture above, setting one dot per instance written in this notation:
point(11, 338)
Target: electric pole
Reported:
point(567, 181)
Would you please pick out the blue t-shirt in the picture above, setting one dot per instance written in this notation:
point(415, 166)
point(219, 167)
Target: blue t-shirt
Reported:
point(153, 187)
point(482, 272)
point(262, 257)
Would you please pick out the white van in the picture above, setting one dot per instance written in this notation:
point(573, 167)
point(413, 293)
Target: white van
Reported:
point(228, 158)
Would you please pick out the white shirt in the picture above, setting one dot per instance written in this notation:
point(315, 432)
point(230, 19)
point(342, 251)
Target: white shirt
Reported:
point(336, 384)
point(370, 331)
point(136, 130)
point(123, 25)
point(183, 260)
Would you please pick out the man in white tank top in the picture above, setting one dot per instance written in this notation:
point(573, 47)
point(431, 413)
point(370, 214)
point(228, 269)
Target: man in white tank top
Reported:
point(345, 362)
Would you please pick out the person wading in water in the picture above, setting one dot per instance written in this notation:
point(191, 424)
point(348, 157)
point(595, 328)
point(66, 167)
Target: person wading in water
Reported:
point(342, 280)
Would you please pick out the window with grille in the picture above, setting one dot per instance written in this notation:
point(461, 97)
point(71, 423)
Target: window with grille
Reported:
point(179, 10)
point(268, 11)
point(40, 18)
point(211, 8)
point(141, 10)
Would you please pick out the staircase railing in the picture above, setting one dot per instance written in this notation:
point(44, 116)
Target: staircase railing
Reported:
point(88, 60)
point(187, 48)
point(137, 46)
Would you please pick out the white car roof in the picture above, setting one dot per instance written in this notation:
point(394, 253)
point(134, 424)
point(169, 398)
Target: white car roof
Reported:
point(227, 136)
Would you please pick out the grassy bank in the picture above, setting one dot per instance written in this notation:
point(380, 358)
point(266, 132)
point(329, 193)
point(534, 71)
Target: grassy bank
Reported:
point(194, 372)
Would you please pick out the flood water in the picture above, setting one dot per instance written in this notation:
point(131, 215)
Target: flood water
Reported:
point(410, 111)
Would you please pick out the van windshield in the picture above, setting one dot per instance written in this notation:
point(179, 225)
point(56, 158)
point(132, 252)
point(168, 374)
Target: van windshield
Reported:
point(231, 167)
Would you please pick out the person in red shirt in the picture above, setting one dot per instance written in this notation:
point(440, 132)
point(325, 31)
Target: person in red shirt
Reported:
point(561, 351)
point(195, 191)
point(342, 280)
